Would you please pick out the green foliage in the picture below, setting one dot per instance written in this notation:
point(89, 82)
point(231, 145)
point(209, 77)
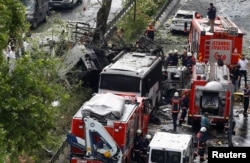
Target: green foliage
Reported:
point(26, 96)
point(134, 23)
point(12, 21)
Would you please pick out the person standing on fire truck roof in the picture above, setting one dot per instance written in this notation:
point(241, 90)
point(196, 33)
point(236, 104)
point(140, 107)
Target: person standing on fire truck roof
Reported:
point(211, 16)
point(175, 102)
point(243, 62)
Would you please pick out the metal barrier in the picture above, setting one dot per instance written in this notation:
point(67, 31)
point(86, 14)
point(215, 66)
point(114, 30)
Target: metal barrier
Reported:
point(111, 24)
point(60, 150)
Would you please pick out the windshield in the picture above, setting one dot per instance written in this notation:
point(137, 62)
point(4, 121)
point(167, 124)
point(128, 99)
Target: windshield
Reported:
point(29, 4)
point(120, 83)
point(184, 16)
point(160, 156)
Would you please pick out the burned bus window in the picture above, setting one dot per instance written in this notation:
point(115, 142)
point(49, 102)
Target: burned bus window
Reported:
point(210, 100)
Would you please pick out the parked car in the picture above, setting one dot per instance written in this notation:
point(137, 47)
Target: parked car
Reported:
point(36, 11)
point(182, 20)
point(65, 4)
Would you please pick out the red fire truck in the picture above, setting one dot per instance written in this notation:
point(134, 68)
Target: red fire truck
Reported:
point(211, 91)
point(226, 40)
point(104, 128)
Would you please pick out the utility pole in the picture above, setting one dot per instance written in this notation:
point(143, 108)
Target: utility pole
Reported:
point(134, 10)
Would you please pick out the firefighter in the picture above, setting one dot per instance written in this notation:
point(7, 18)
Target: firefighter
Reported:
point(150, 31)
point(184, 107)
point(145, 143)
point(211, 16)
point(184, 58)
point(175, 102)
point(190, 61)
point(246, 93)
point(137, 145)
point(175, 58)
point(169, 59)
point(201, 143)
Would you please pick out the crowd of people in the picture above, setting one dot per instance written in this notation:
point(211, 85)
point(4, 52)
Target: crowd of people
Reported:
point(173, 58)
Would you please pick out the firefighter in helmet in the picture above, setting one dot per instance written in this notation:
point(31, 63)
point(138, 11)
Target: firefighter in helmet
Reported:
point(201, 143)
point(137, 145)
point(184, 107)
point(145, 143)
point(190, 61)
point(175, 102)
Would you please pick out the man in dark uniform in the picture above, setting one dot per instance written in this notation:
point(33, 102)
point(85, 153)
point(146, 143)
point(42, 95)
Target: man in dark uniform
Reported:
point(170, 59)
point(246, 100)
point(145, 143)
point(175, 58)
point(190, 61)
point(211, 16)
point(184, 107)
point(137, 146)
point(201, 143)
point(150, 31)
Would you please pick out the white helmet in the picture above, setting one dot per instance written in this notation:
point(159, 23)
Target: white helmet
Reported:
point(175, 51)
point(176, 94)
point(148, 137)
point(139, 131)
point(203, 129)
point(189, 54)
point(170, 52)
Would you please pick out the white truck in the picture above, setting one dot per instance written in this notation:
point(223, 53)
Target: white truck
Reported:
point(171, 148)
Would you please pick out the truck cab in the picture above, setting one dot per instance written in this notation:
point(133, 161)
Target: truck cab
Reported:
point(175, 78)
point(171, 148)
point(36, 11)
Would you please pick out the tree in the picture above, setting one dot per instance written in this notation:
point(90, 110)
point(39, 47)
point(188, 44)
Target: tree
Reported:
point(26, 116)
point(101, 22)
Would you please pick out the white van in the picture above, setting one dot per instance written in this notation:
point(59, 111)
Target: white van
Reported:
point(69, 4)
point(171, 148)
point(36, 11)
point(182, 18)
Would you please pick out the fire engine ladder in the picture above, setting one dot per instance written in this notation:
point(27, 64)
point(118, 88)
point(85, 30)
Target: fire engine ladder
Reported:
point(229, 26)
point(206, 51)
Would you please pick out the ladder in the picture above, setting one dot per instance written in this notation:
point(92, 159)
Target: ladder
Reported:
point(206, 51)
point(229, 26)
